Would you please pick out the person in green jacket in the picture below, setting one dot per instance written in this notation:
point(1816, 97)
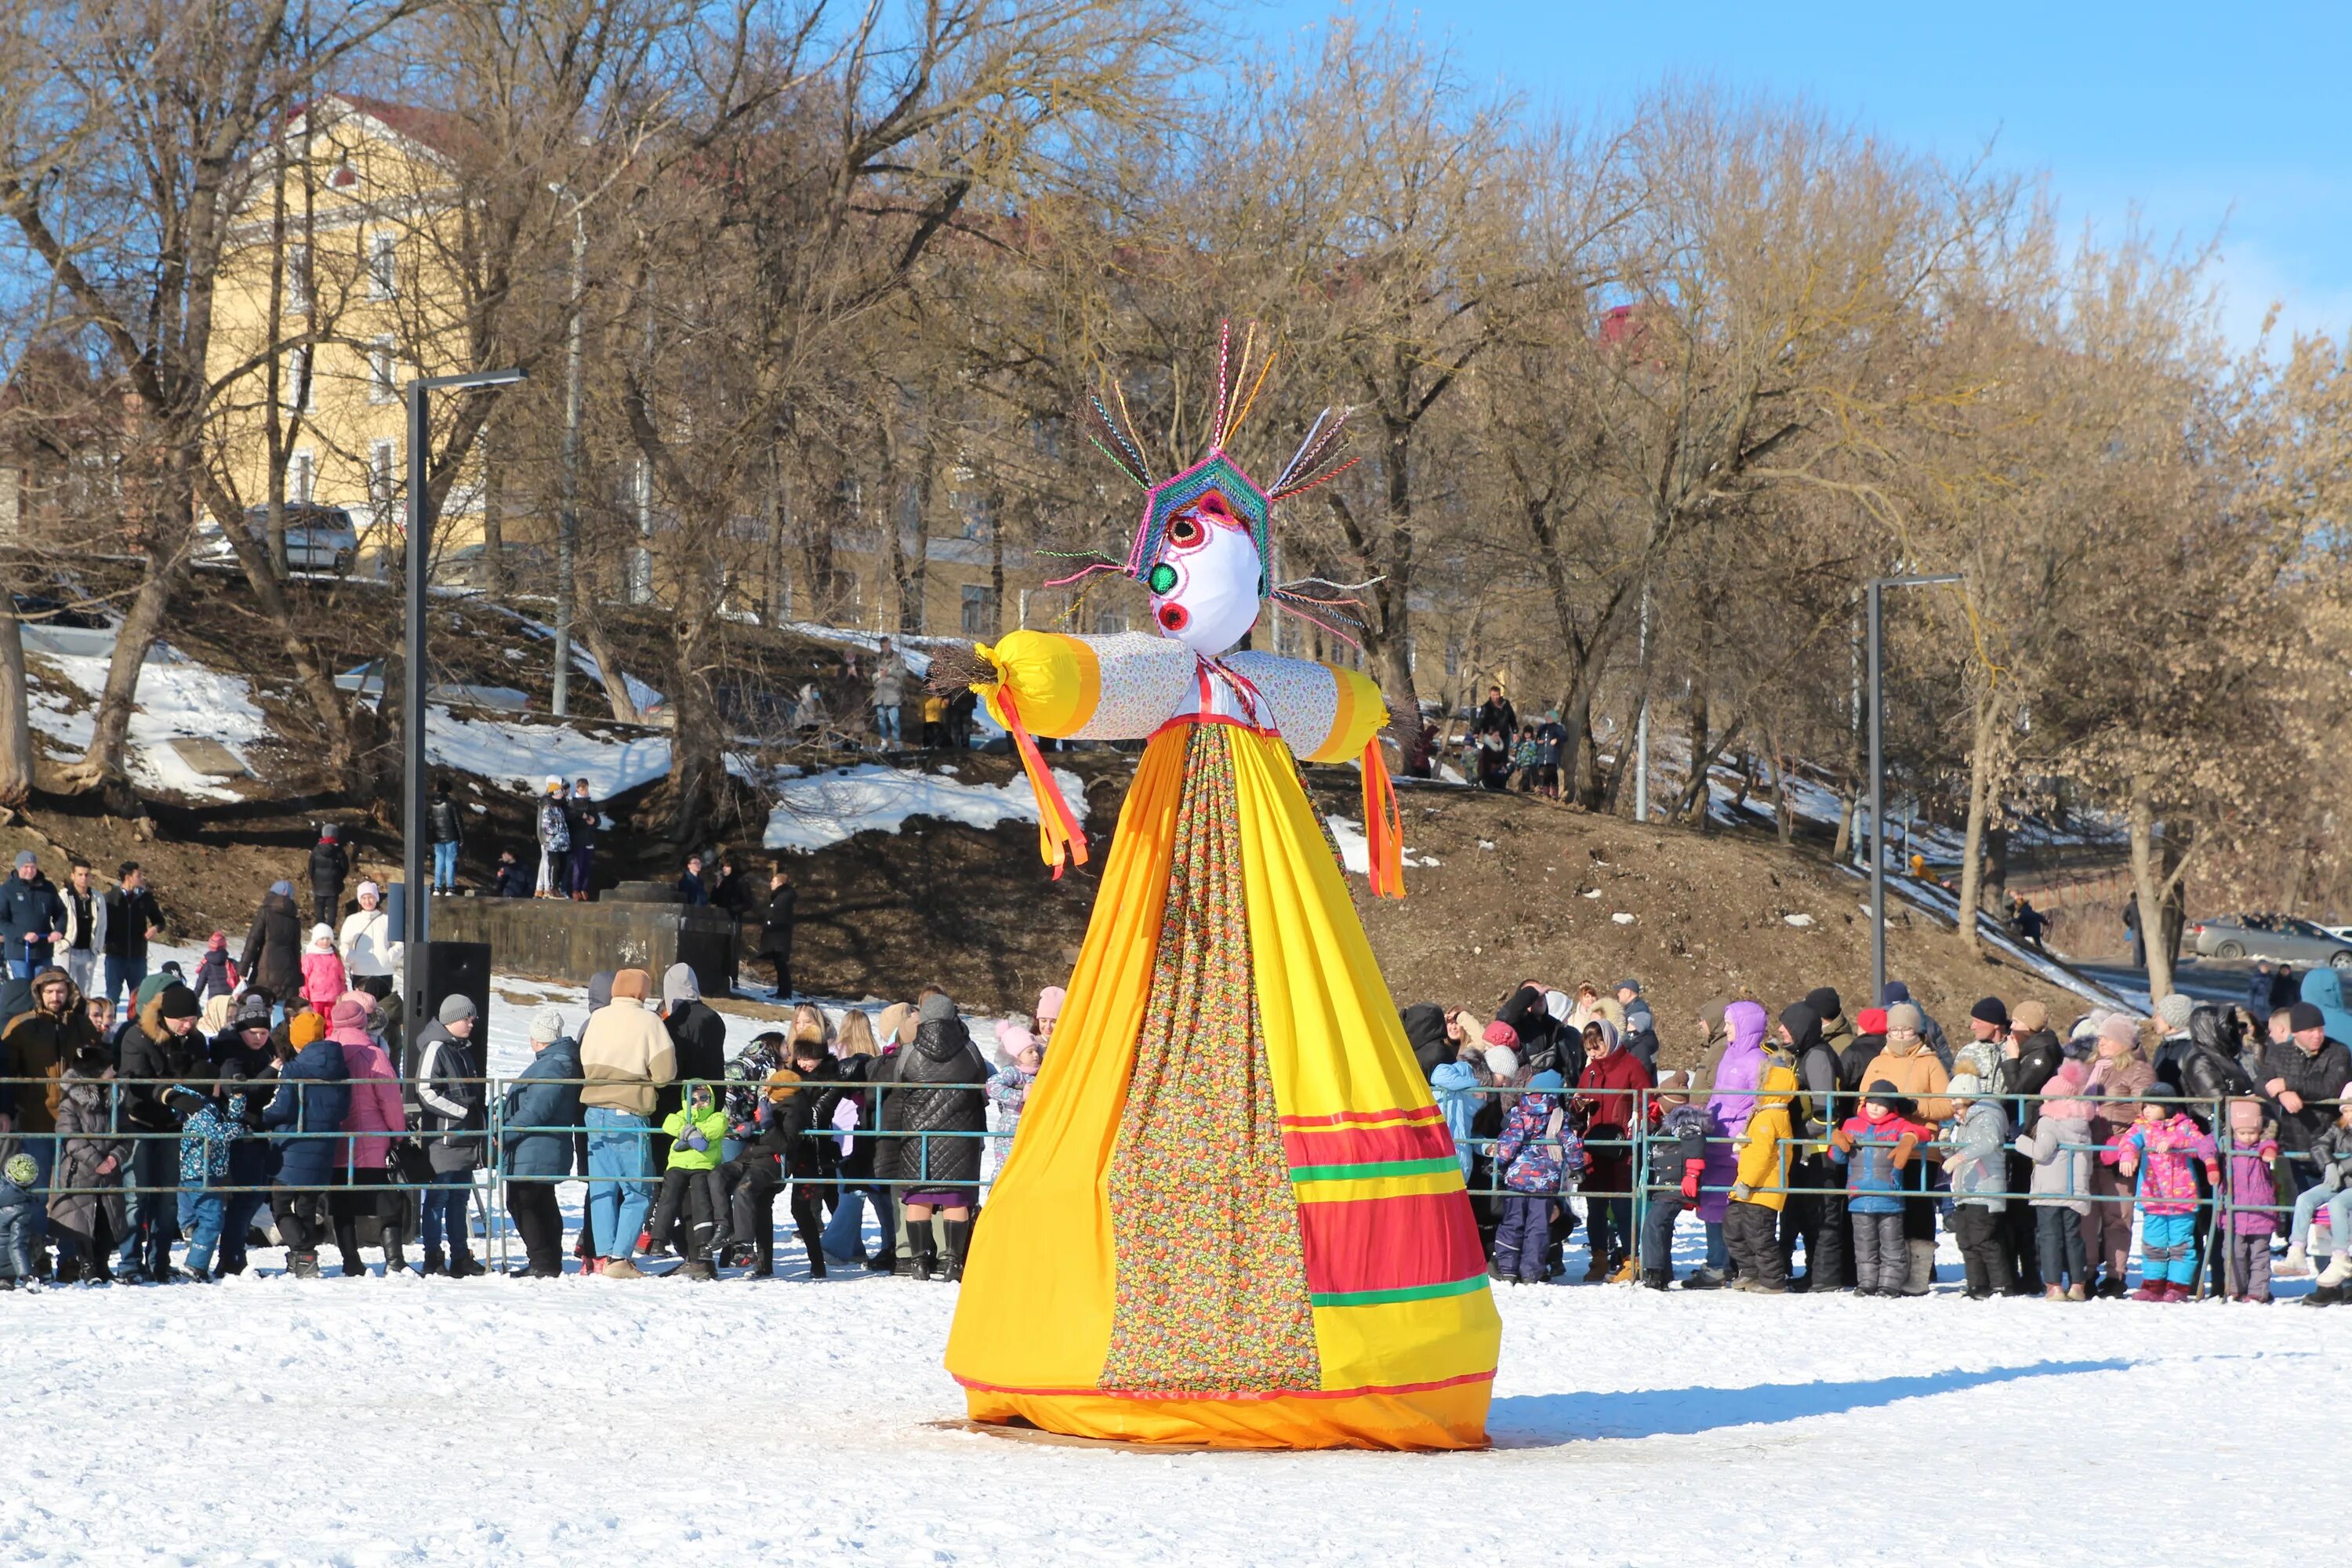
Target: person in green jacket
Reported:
point(696, 1129)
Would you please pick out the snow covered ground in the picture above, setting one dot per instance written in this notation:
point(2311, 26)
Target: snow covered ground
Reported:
point(499, 1421)
point(823, 809)
point(176, 700)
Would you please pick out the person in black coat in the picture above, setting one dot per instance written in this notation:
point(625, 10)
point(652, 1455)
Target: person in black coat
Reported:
point(329, 867)
point(509, 881)
point(1817, 1219)
point(2302, 1077)
point(776, 929)
point(273, 946)
point(781, 1151)
point(1424, 1031)
point(699, 1038)
point(161, 1047)
point(937, 1089)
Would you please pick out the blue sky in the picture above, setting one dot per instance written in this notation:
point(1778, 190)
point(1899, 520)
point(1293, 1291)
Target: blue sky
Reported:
point(2223, 119)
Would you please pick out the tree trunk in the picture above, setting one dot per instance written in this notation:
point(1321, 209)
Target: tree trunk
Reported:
point(695, 750)
point(100, 765)
point(1843, 850)
point(616, 682)
point(494, 528)
point(2147, 889)
point(1981, 784)
point(16, 707)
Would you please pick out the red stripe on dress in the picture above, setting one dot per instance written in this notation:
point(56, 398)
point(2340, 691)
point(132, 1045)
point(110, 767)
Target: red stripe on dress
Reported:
point(1391, 1244)
point(1244, 1396)
point(1338, 1117)
point(1367, 1145)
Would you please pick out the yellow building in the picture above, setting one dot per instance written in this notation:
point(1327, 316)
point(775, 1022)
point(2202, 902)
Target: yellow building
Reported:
point(337, 290)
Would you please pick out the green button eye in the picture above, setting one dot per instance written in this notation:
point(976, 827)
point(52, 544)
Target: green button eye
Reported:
point(1162, 578)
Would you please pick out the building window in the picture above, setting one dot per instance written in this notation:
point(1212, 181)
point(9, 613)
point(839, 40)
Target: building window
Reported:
point(297, 279)
point(384, 472)
point(977, 510)
point(1109, 623)
point(384, 385)
point(383, 267)
point(298, 390)
point(979, 610)
point(301, 477)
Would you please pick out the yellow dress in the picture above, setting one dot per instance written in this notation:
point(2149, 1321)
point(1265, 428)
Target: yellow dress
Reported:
point(1233, 1214)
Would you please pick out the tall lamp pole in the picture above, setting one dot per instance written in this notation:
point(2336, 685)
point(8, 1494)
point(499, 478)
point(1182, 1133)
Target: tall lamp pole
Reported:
point(1878, 778)
point(415, 893)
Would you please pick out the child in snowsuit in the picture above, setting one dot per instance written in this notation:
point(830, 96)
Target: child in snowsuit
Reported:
point(697, 1131)
point(216, 971)
point(1677, 1154)
point(1979, 1168)
point(2164, 1148)
point(323, 982)
point(1761, 1187)
point(1875, 1147)
point(777, 1149)
point(20, 1200)
point(2059, 1147)
point(2252, 1150)
point(1538, 1155)
point(206, 1136)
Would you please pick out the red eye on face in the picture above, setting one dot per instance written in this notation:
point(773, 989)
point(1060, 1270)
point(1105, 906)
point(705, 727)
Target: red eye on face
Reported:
point(1173, 617)
point(1185, 533)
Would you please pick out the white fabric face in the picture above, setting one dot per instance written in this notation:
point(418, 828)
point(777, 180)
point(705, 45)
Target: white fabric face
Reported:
point(1214, 600)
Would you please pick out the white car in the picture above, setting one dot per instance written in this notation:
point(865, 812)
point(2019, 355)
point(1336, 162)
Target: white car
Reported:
point(318, 538)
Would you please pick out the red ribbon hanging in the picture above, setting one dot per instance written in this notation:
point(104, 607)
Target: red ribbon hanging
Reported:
point(1382, 827)
point(1057, 828)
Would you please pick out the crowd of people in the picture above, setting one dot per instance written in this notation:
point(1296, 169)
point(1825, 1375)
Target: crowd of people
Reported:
point(225, 1112)
point(2228, 1131)
point(275, 1092)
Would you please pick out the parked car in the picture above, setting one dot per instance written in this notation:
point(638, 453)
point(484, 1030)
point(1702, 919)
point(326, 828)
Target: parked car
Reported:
point(2276, 937)
point(318, 538)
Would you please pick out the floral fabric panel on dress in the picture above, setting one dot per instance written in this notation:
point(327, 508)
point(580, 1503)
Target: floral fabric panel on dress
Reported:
point(1212, 1294)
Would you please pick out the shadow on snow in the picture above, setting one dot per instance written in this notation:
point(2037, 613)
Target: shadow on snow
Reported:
point(1545, 1420)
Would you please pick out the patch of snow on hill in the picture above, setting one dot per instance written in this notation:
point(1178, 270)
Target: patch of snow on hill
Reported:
point(825, 809)
point(176, 700)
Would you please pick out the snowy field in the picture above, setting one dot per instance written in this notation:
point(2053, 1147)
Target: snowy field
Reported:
point(373, 1422)
point(498, 1421)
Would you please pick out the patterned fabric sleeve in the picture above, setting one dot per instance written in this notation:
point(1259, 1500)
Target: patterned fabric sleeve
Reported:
point(1089, 688)
point(1326, 713)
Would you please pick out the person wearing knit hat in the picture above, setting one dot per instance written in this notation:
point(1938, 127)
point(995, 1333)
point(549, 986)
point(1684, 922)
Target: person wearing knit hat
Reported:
point(452, 1102)
point(626, 1055)
point(2299, 1075)
point(2031, 1017)
point(313, 1100)
point(548, 1109)
point(1916, 1073)
point(1978, 1166)
point(2056, 1149)
point(158, 1048)
point(2120, 1075)
point(1049, 1012)
point(1502, 1064)
point(1993, 1014)
point(20, 1199)
point(2174, 1008)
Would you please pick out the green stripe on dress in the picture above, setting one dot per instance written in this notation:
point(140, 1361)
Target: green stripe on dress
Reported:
point(1404, 1293)
point(1375, 1168)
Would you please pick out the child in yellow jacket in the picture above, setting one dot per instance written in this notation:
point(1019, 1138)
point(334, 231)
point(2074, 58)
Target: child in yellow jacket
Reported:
point(1752, 1223)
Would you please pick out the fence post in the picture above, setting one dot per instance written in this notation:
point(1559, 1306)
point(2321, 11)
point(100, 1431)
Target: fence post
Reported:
point(495, 1159)
point(1639, 1207)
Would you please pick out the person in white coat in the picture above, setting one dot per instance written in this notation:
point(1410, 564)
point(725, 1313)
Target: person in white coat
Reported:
point(370, 952)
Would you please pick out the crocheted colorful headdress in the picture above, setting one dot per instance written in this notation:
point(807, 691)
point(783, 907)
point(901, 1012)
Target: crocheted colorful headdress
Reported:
point(1218, 484)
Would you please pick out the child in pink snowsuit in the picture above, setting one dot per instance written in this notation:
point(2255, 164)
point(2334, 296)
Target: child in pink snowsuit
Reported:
point(2164, 1147)
point(323, 972)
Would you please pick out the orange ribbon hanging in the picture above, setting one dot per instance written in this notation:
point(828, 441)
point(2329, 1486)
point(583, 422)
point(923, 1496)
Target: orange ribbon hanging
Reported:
point(1382, 827)
point(1057, 827)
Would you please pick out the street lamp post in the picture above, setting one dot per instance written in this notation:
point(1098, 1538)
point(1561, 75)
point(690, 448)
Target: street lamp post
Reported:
point(414, 838)
point(1878, 780)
